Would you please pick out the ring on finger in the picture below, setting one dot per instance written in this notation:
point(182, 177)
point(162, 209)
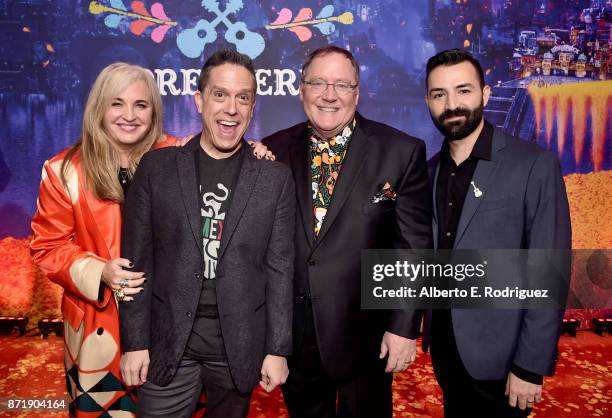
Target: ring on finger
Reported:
point(123, 283)
point(120, 294)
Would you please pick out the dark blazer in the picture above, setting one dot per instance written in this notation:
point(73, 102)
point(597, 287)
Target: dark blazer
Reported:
point(327, 269)
point(523, 206)
point(162, 235)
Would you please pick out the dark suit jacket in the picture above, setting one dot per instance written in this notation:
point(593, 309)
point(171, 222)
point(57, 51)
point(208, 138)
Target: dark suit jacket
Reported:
point(523, 206)
point(327, 269)
point(162, 235)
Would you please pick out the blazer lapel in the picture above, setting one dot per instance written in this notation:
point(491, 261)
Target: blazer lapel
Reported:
point(91, 210)
point(185, 163)
point(301, 174)
point(355, 156)
point(244, 185)
point(434, 220)
point(481, 180)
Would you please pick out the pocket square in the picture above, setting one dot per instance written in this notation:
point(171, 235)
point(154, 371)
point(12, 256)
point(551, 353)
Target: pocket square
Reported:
point(386, 193)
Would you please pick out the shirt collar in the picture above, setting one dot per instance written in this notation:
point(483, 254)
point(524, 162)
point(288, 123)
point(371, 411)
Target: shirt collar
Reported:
point(482, 147)
point(341, 138)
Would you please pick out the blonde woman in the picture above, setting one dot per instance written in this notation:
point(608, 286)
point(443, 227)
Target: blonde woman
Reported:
point(77, 231)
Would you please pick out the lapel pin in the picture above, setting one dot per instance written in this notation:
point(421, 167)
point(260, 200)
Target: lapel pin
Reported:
point(477, 191)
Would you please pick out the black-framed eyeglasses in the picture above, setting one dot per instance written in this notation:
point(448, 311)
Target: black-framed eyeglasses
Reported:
point(318, 86)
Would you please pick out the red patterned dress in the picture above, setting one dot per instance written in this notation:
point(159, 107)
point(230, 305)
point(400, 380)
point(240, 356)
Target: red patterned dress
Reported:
point(75, 234)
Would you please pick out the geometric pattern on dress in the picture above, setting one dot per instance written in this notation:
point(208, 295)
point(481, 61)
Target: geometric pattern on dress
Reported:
point(96, 399)
point(124, 403)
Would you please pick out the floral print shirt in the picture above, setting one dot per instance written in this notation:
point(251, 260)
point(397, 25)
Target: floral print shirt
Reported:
point(326, 158)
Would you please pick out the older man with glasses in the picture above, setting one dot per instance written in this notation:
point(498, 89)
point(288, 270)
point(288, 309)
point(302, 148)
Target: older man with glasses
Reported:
point(360, 184)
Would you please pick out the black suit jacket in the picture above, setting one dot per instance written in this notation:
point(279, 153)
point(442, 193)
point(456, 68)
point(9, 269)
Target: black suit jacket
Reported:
point(162, 235)
point(523, 206)
point(327, 269)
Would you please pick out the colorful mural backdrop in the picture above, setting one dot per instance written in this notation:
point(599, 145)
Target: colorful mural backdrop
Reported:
point(549, 62)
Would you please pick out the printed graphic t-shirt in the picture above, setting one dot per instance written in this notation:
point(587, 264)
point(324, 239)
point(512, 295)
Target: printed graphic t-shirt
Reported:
point(217, 178)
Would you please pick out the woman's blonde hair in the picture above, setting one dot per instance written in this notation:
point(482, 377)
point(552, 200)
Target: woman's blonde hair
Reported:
point(99, 157)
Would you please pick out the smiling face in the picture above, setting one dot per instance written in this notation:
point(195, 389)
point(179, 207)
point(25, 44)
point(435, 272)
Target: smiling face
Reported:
point(327, 111)
point(226, 106)
point(129, 116)
point(456, 99)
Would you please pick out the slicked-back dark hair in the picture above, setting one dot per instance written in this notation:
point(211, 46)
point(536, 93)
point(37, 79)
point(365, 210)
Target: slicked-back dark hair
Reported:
point(453, 57)
point(224, 56)
point(331, 49)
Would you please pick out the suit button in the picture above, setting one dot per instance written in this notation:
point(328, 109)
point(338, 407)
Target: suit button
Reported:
point(198, 276)
point(311, 262)
point(188, 314)
point(100, 331)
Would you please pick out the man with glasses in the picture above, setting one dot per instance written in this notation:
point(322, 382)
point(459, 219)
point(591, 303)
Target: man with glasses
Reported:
point(360, 184)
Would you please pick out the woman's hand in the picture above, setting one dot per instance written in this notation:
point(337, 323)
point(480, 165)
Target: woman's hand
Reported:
point(119, 279)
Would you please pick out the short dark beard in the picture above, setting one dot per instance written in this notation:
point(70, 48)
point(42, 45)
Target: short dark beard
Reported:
point(459, 130)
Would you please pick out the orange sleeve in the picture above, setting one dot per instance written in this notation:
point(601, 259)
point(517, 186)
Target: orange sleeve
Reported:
point(54, 245)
